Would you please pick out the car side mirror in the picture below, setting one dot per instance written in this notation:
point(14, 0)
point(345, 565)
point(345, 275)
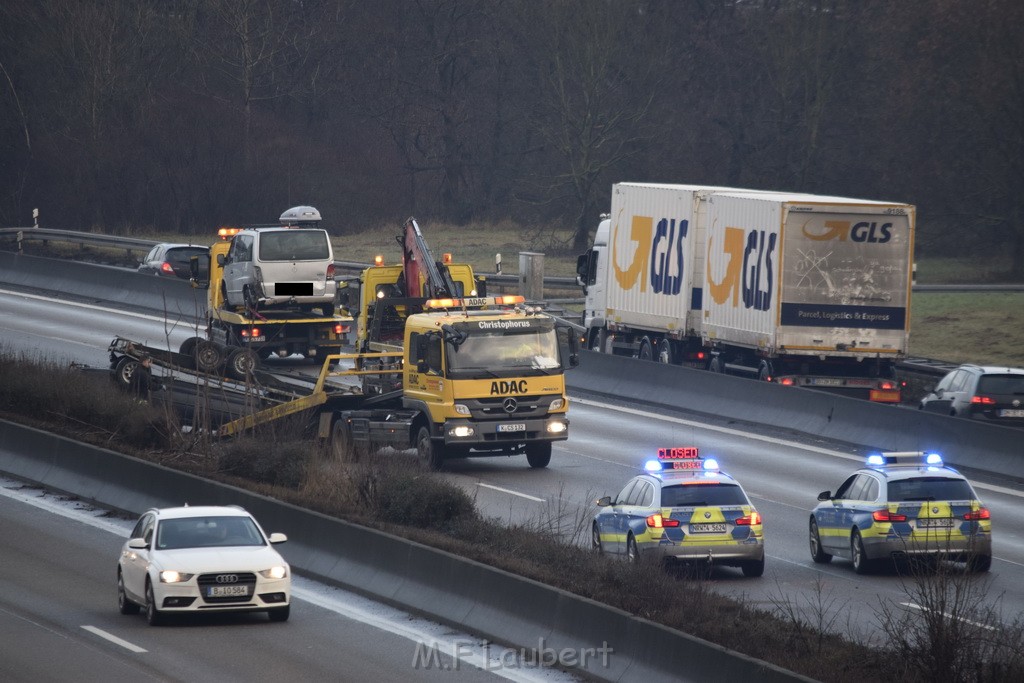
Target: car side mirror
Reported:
point(603, 501)
point(137, 544)
point(825, 495)
point(277, 538)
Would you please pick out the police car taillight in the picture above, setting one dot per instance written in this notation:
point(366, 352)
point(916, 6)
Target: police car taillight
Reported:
point(886, 516)
point(753, 519)
point(975, 515)
point(656, 521)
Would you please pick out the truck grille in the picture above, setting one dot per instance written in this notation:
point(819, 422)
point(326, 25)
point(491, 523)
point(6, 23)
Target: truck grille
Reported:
point(497, 408)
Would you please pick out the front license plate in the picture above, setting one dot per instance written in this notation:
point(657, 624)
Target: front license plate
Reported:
point(227, 591)
point(1011, 412)
point(512, 427)
point(715, 528)
point(935, 523)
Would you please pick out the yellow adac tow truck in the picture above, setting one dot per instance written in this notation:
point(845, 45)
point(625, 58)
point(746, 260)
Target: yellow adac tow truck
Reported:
point(444, 368)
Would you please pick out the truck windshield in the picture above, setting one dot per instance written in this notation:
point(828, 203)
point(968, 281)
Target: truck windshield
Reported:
point(504, 350)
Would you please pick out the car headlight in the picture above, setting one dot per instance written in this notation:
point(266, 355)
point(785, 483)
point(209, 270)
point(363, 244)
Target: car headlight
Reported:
point(170, 576)
point(278, 572)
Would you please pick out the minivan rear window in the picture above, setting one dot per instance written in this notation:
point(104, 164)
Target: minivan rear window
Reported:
point(294, 245)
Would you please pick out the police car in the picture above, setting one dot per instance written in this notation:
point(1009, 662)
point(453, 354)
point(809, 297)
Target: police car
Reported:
point(682, 508)
point(902, 505)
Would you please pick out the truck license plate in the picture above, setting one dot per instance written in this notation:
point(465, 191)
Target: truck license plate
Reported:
point(512, 427)
point(260, 338)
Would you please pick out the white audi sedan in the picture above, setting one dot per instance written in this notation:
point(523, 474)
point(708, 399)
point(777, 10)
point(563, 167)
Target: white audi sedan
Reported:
point(202, 559)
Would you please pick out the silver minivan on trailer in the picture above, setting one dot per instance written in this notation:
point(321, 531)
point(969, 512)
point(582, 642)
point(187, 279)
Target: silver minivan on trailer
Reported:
point(291, 265)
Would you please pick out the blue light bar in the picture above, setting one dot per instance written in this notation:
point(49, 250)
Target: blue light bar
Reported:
point(933, 459)
point(876, 460)
point(652, 466)
point(710, 464)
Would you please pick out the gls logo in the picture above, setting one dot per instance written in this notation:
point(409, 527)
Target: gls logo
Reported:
point(663, 266)
point(750, 268)
point(872, 233)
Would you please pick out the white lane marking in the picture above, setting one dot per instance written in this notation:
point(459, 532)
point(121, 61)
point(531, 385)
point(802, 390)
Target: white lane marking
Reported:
point(114, 639)
point(509, 491)
point(93, 307)
point(766, 439)
point(947, 615)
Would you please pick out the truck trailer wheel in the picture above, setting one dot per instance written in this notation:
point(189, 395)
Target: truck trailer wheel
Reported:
point(242, 363)
point(342, 445)
point(430, 453)
point(665, 352)
point(209, 356)
point(188, 349)
point(538, 454)
point(646, 351)
point(124, 370)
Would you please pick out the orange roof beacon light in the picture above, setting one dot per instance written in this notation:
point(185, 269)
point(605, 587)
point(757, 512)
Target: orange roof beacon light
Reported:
point(227, 233)
point(378, 260)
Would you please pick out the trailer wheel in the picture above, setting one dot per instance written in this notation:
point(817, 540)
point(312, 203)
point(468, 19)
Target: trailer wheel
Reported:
point(188, 349)
point(242, 363)
point(209, 356)
point(124, 370)
point(646, 352)
point(342, 445)
point(430, 453)
point(538, 454)
point(665, 352)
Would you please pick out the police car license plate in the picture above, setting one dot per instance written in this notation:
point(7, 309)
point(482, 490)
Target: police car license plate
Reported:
point(936, 523)
point(712, 528)
point(512, 427)
point(227, 591)
point(1011, 412)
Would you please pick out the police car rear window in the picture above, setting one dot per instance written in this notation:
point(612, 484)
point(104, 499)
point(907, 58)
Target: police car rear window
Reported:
point(929, 488)
point(704, 494)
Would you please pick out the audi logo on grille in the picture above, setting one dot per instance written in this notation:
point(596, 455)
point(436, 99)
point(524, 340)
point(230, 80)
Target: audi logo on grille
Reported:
point(227, 578)
point(510, 405)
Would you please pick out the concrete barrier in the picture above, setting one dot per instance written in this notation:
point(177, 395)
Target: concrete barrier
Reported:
point(964, 443)
point(495, 604)
point(87, 281)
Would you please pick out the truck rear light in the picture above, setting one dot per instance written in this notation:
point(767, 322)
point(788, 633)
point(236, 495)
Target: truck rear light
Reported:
point(252, 332)
point(753, 519)
point(340, 329)
point(975, 515)
point(886, 516)
point(983, 400)
point(787, 381)
point(887, 385)
point(656, 521)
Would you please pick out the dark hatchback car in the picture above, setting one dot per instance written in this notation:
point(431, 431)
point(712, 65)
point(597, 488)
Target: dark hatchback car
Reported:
point(171, 260)
point(981, 392)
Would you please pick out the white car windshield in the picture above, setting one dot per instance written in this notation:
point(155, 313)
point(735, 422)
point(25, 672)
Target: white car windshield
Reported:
point(207, 532)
